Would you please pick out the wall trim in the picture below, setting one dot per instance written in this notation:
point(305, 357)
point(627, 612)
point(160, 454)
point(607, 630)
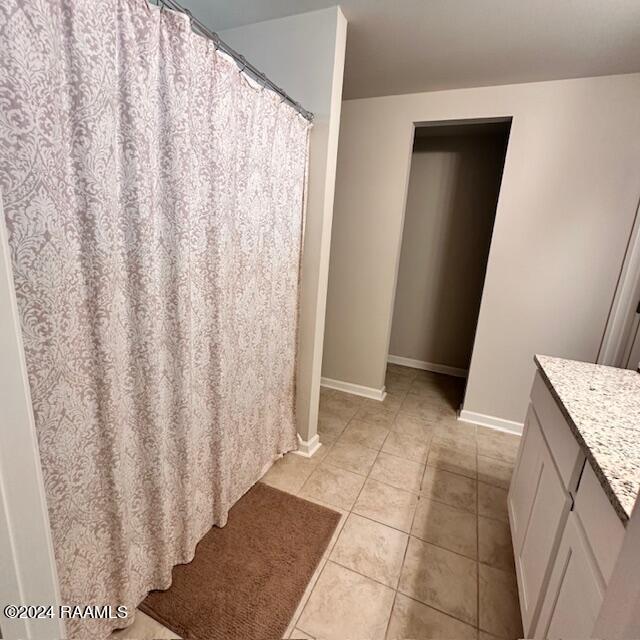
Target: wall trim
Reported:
point(428, 366)
point(306, 448)
point(355, 389)
point(499, 424)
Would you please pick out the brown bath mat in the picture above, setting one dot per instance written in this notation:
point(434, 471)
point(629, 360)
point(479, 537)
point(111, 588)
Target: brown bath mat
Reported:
point(248, 577)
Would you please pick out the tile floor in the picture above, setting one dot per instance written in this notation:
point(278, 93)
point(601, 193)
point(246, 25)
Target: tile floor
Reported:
point(423, 547)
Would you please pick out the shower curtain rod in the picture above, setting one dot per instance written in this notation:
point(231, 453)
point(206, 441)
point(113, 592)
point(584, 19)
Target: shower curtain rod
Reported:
point(239, 59)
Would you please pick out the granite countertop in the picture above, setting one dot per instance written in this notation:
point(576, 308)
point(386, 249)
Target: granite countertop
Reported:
point(602, 406)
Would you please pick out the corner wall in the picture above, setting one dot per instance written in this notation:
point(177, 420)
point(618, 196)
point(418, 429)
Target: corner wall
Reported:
point(304, 54)
point(566, 207)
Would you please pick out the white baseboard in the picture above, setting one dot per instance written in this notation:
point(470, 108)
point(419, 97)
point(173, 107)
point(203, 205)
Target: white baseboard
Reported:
point(306, 448)
point(499, 424)
point(428, 366)
point(355, 389)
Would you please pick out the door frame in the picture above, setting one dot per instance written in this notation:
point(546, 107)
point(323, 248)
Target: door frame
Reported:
point(441, 123)
point(622, 322)
point(27, 562)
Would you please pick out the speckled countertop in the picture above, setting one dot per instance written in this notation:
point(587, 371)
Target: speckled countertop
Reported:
point(602, 406)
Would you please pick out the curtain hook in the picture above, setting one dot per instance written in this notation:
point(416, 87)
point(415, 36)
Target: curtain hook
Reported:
point(244, 64)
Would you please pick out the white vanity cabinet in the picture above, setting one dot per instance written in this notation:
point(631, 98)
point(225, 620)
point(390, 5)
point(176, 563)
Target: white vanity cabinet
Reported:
point(575, 591)
point(590, 544)
point(538, 506)
point(566, 535)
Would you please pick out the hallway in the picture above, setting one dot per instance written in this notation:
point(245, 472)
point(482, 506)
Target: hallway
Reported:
point(423, 549)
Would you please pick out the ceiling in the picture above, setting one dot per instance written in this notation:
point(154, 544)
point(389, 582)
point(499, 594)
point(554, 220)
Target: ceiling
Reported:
point(406, 46)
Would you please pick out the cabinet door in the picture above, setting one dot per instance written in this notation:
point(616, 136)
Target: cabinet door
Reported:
point(576, 589)
point(538, 506)
point(522, 489)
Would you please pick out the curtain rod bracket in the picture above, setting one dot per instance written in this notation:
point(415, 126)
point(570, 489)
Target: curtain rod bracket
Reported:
point(239, 59)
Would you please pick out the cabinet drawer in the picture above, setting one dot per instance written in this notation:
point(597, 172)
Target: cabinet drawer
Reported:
point(565, 450)
point(602, 526)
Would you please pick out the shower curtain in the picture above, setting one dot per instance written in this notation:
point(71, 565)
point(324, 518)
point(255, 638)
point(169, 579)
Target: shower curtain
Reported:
point(153, 196)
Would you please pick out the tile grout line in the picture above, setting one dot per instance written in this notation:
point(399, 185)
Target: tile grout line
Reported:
point(447, 470)
point(324, 561)
point(349, 512)
point(398, 591)
point(419, 496)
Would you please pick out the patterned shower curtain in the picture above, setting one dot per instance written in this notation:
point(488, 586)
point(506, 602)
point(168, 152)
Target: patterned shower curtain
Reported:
point(153, 197)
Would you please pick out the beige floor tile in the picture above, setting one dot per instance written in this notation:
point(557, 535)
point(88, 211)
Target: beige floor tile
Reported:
point(372, 549)
point(365, 434)
point(376, 415)
point(419, 428)
point(402, 371)
point(345, 604)
point(496, 444)
point(459, 461)
point(423, 406)
point(450, 488)
point(385, 504)
point(289, 473)
point(391, 402)
point(412, 619)
point(143, 628)
point(442, 579)
point(494, 544)
point(451, 426)
point(483, 635)
point(408, 447)
point(426, 381)
point(494, 472)
point(499, 608)
point(296, 634)
point(316, 574)
point(448, 389)
point(396, 383)
point(433, 398)
point(397, 472)
point(322, 452)
point(341, 404)
point(330, 425)
point(492, 502)
point(333, 486)
point(325, 394)
point(454, 442)
point(352, 457)
point(446, 526)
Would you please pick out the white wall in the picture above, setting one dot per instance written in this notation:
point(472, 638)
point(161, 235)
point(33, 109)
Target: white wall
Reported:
point(304, 54)
point(567, 201)
point(451, 203)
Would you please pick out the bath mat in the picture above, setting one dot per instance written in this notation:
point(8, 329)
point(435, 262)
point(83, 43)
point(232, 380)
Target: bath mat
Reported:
point(247, 578)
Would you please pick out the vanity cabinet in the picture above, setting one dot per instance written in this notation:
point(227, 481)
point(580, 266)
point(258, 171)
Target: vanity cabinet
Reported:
point(575, 591)
point(565, 533)
point(590, 544)
point(538, 506)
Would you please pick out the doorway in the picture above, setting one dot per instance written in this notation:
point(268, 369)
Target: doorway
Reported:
point(456, 171)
